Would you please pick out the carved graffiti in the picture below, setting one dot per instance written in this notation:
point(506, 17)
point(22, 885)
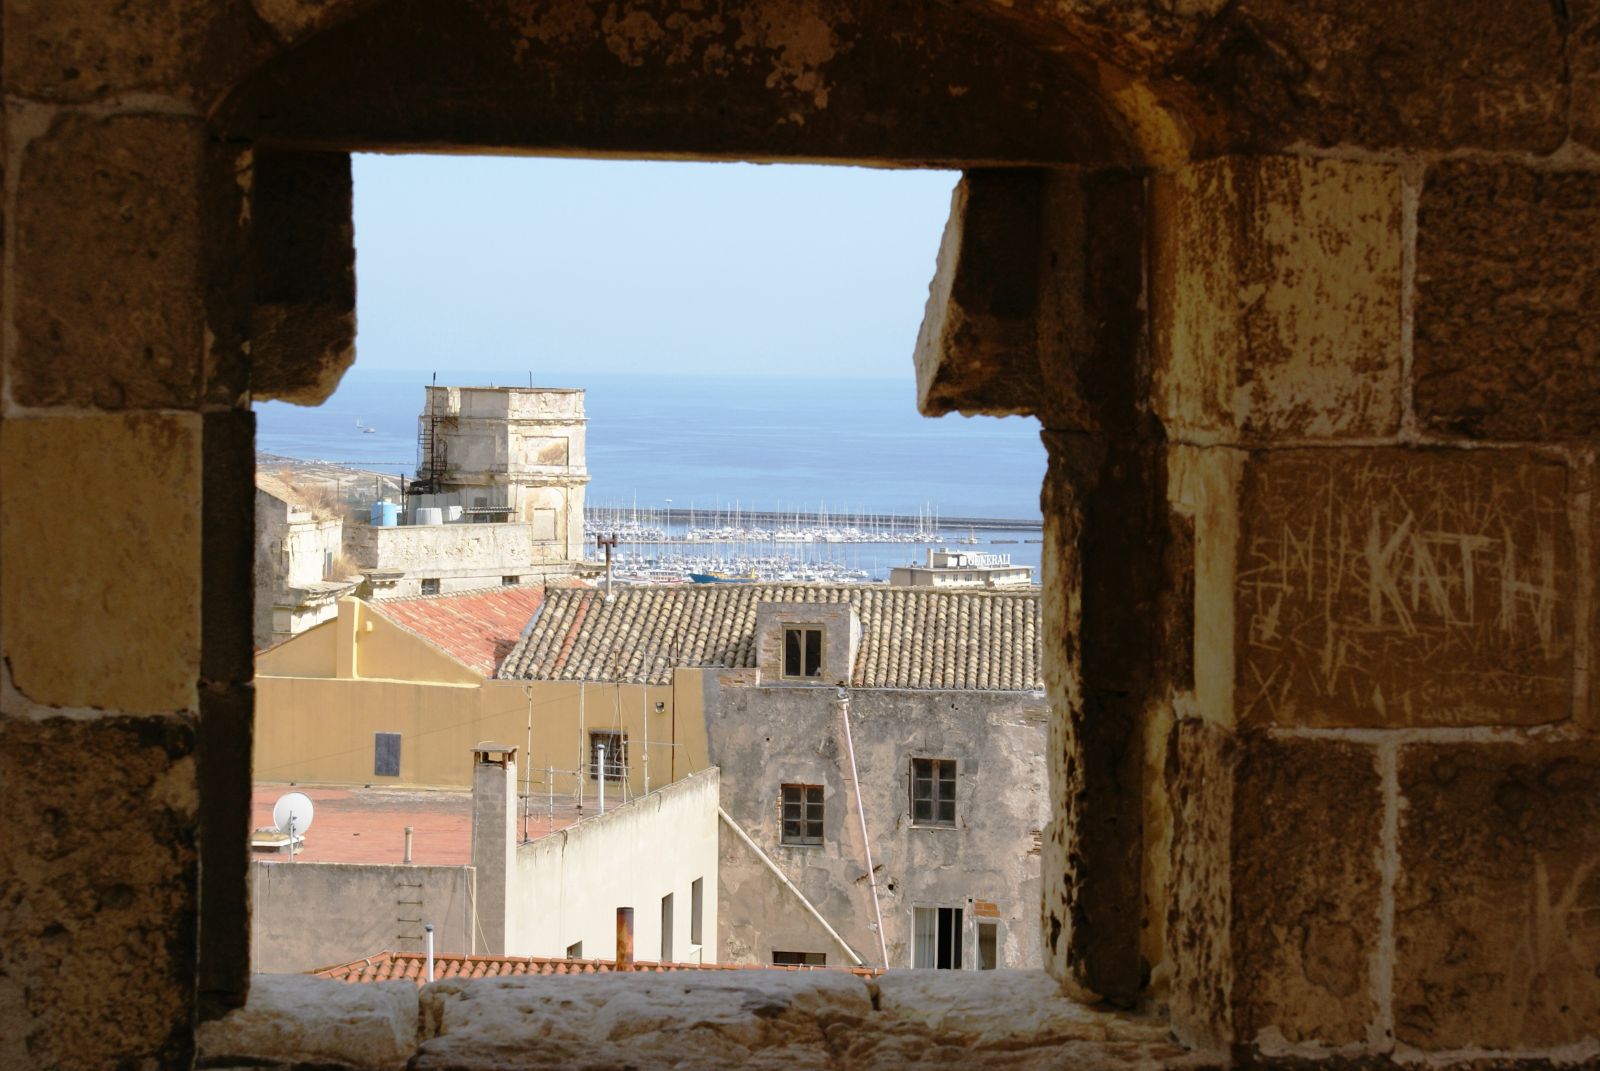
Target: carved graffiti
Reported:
point(1404, 587)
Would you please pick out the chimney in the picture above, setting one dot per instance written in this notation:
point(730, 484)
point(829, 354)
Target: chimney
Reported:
point(494, 845)
point(624, 938)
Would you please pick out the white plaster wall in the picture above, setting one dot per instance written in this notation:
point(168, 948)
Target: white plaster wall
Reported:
point(566, 887)
point(306, 544)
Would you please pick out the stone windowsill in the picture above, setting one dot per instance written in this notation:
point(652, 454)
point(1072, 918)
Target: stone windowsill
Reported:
point(739, 1018)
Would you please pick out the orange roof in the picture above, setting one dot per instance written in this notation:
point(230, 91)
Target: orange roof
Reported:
point(477, 627)
point(392, 966)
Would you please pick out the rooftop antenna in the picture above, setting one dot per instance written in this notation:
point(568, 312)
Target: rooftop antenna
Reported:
point(609, 542)
point(292, 816)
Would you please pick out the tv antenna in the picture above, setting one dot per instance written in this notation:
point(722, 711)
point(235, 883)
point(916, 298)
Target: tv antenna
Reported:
point(292, 816)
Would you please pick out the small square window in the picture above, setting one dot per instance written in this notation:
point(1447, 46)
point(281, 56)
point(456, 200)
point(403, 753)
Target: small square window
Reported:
point(799, 959)
point(802, 814)
point(610, 749)
point(933, 792)
point(510, 581)
point(802, 652)
point(430, 585)
point(575, 950)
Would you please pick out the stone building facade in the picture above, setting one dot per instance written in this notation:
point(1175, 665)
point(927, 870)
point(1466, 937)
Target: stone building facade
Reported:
point(299, 552)
point(905, 726)
point(1299, 292)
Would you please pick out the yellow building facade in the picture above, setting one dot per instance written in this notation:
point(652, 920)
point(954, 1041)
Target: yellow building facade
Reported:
point(324, 697)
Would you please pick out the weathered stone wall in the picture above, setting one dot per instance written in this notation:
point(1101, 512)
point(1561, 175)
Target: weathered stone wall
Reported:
point(1317, 359)
point(765, 737)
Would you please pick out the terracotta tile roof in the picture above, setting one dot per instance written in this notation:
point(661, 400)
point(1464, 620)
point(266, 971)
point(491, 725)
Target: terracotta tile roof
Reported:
point(478, 627)
point(412, 966)
point(910, 637)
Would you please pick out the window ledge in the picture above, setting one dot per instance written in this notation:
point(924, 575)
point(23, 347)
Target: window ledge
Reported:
point(803, 1018)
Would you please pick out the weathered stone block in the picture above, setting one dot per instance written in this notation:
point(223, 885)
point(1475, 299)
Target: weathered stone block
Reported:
point(77, 50)
point(1307, 816)
point(293, 1020)
point(100, 578)
point(1405, 587)
point(98, 882)
point(303, 325)
point(1497, 908)
point(1378, 74)
point(1508, 302)
point(1278, 308)
point(1583, 57)
point(1199, 778)
point(109, 303)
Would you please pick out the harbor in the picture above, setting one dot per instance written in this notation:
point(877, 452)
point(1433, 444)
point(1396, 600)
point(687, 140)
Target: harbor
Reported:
point(668, 545)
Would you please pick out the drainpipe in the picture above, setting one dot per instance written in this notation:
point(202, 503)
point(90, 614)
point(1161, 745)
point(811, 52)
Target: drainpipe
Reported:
point(842, 702)
point(600, 751)
point(427, 940)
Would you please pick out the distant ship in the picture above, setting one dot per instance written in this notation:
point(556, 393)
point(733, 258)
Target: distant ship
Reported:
point(366, 430)
point(722, 578)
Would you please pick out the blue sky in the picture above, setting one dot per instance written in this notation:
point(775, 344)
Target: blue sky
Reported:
point(604, 266)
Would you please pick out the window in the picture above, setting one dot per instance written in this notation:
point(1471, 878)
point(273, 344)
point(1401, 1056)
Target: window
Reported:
point(697, 906)
point(385, 754)
point(987, 946)
point(802, 814)
point(615, 747)
point(799, 959)
point(510, 581)
point(802, 652)
point(575, 950)
point(933, 792)
point(936, 938)
point(666, 929)
point(430, 585)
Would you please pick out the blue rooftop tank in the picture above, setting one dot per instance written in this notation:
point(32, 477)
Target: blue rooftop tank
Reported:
point(385, 514)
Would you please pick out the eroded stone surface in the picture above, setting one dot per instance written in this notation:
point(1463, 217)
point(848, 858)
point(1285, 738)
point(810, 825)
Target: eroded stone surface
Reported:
point(103, 614)
point(98, 885)
point(1583, 54)
point(296, 1019)
point(743, 1019)
point(1304, 874)
point(1497, 908)
point(1405, 587)
point(109, 311)
point(1199, 776)
point(1280, 298)
point(1508, 302)
point(74, 50)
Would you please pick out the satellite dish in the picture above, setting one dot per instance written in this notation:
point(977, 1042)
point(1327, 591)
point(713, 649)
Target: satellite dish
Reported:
point(292, 808)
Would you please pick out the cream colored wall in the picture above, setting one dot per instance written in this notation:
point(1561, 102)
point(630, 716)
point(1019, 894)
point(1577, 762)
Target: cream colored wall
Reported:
point(566, 887)
point(315, 718)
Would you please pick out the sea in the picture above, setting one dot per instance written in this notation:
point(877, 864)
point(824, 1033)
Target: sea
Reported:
point(719, 444)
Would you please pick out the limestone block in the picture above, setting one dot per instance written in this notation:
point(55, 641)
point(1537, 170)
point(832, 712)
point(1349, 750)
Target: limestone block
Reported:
point(109, 303)
point(1387, 587)
point(79, 50)
point(101, 572)
point(296, 1019)
point(98, 878)
point(754, 1019)
point(1278, 298)
point(1584, 58)
point(951, 1004)
point(303, 325)
point(1305, 884)
point(1497, 907)
point(976, 351)
point(1436, 73)
point(1199, 776)
point(1508, 302)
